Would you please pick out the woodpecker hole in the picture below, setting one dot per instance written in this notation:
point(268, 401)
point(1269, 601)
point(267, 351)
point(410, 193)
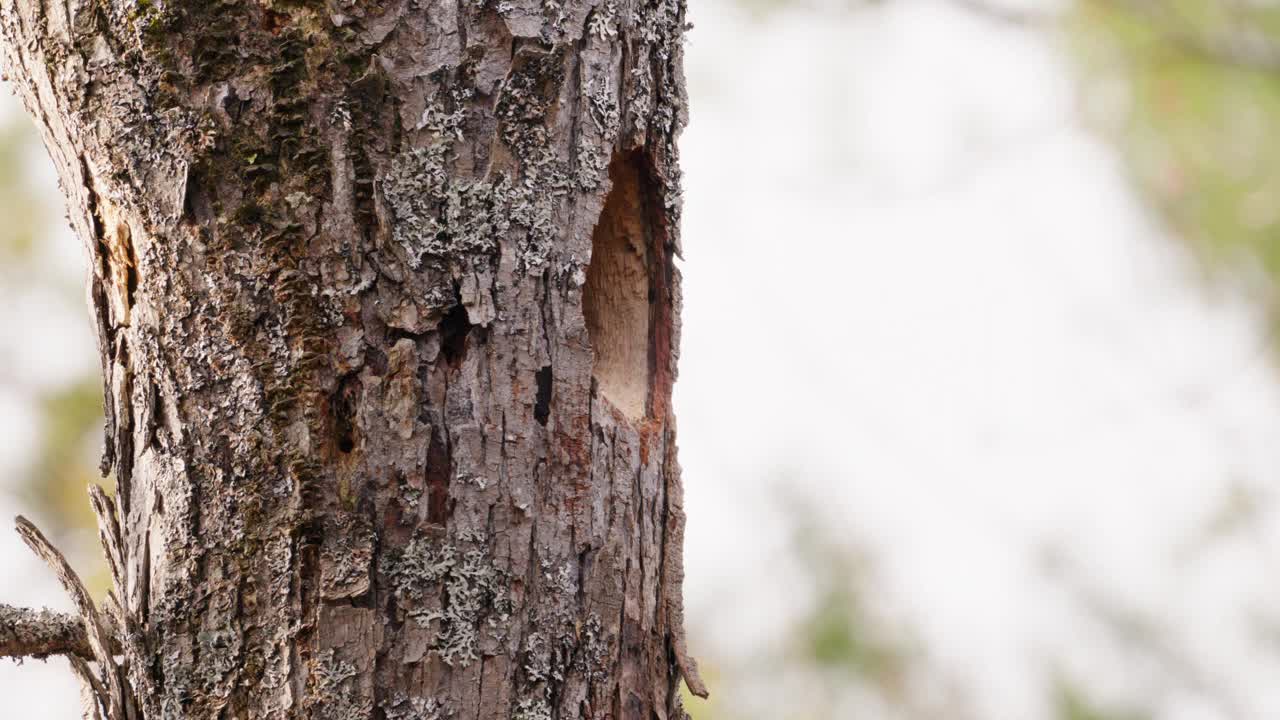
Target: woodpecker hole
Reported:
point(454, 331)
point(542, 405)
point(616, 297)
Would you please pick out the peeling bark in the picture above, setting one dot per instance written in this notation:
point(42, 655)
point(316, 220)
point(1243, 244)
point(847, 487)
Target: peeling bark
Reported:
point(338, 259)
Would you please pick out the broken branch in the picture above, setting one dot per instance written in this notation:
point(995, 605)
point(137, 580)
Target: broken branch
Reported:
point(40, 633)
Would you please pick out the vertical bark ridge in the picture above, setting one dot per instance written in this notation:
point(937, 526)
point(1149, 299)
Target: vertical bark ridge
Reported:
point(339, 253)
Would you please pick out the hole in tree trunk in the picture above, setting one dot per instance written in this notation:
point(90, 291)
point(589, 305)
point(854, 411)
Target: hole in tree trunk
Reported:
point(438, 472)
point(542, 404)
point(454, 329)
point(344, 404)
point(616, 298)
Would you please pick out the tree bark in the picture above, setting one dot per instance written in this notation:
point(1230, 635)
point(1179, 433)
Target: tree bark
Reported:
point(388, 318)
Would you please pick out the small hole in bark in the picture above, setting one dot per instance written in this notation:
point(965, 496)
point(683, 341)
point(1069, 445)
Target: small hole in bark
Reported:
point(131, 277)
point(272, 22)
point(617, 294)
point(344, 410)
point(454, 329)
point(542, 407)
point(157, 417)
point(376, 360)
point(439, 470)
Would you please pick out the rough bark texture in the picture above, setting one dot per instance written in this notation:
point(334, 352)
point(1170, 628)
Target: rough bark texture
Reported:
point(341, 270)
point(40, 633)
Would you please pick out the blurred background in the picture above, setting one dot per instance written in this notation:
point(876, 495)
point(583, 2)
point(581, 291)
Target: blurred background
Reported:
point(979, 401)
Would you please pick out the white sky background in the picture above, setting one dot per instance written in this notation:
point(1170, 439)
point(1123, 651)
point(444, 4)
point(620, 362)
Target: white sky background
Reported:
point(918, 290)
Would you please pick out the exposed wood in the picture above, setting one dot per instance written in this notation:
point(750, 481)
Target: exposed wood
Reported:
point(338, 258)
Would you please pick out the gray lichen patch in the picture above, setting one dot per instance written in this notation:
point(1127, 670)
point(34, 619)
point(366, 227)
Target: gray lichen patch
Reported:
point(593, 649)
point(604, 108)
point(603, 22)
point(335, 694)
point(524, 109)
point(606, 122)
point(220, 655)
point(532, 709)
point(569, 646)
point(456, 592)
point(403, 707)
point(565, 643)
point(537, 658)
point(452, 222)
point(345, 558)
point(439, 217)
point(443, 123)
point(591, 167)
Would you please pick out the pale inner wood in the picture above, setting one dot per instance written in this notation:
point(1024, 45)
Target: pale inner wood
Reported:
point(616, 296)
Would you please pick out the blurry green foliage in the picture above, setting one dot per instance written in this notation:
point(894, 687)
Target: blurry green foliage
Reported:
point(1190, 92)
point(764, 10)
point(711, 708)
point(1071, 703)
point(70, 437)
point(69, 414)
point(839, 632)
point(834, 638)
point(21, 210)
point(838, 653)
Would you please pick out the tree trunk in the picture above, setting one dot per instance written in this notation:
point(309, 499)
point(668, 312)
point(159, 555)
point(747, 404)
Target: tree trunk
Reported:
point(388, 316)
